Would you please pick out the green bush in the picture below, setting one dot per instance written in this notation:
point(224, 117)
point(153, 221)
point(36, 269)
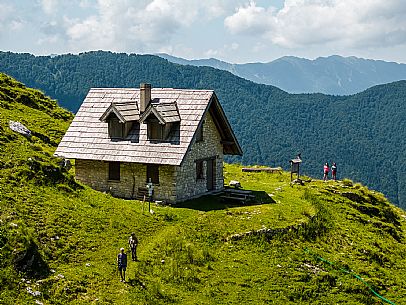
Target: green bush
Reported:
point(347, 182)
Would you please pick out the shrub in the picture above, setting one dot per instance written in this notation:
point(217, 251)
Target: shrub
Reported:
point(347, 182)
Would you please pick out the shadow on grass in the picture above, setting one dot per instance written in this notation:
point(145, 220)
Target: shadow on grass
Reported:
point(215, 202)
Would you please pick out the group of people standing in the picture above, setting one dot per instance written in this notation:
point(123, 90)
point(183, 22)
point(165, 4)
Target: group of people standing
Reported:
point(122, 256)
point(326, 171)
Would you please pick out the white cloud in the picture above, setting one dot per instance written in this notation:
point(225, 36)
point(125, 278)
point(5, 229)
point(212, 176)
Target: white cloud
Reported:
point(9, 20)
point(49, 6)
point(234, 46)
point(50, 39)
point(16, 25)
point(196, 28)
point(301, 23)
point(85, 3)
point(250, 19)
point(212, 53)
point(6, 11)
point(144, 25)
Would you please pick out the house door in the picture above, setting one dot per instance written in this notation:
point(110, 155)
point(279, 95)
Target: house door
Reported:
point(211, 174)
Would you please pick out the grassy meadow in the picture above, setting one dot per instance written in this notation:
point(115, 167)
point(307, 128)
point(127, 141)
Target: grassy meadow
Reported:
point(59, 239)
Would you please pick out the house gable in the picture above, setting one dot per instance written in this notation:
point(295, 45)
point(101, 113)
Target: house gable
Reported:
point(228, 138)
point(202, 168)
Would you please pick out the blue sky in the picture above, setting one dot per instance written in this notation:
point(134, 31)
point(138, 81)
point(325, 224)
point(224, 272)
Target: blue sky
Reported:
point(236, 31)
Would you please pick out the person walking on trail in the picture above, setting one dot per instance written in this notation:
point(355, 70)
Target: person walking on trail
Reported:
point(133, 242)
point(334, 171)
point(326, 170)
point(122, 264)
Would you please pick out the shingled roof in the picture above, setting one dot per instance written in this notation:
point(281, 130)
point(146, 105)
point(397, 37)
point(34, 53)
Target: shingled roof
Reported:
point(87, 136)
point(164, 112)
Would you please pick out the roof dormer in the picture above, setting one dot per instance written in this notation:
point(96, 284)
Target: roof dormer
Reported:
point(120, 118)
point(160, 119)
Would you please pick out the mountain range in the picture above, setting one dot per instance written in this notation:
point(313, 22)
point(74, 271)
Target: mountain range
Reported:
point(363, 133)
point(334, 75)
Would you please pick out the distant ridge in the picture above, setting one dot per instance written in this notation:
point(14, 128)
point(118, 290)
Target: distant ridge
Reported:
point(334, 74)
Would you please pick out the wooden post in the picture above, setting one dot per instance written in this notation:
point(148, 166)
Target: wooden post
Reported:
point(295, 167)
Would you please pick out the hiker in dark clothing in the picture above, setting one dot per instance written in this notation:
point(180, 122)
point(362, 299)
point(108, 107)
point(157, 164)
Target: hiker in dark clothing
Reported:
point(334, 171)
point(133, 242)
point(122, 263)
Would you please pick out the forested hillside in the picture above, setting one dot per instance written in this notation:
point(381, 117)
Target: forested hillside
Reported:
point(317, 243)
point(363, 133)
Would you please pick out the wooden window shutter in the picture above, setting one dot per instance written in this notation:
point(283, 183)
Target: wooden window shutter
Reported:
point(153, 173)
point(114, 171)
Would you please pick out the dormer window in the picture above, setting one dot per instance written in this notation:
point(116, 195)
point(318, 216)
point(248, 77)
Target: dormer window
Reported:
point(155, 130)
point(120, 118)
point(161, 119)
point(116, 128)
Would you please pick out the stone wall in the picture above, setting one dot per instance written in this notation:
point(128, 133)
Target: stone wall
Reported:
point(176, 183)
point(132, 176)
point(186, 184)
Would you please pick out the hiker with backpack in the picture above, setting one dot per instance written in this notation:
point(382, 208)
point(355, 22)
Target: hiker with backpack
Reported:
point(133, 242)
point(326, 170)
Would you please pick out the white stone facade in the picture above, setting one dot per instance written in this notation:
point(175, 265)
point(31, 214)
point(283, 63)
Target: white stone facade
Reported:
point(187, 185)
point(176, 183)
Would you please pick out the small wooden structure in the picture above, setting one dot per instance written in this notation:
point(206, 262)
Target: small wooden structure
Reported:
point(295, 167)
point(262, 169)
point(237, 195)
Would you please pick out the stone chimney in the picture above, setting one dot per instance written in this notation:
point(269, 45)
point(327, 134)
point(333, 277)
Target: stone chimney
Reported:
point(145, 96)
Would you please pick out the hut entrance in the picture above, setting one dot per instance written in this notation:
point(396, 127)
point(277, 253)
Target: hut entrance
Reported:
point(211, 165)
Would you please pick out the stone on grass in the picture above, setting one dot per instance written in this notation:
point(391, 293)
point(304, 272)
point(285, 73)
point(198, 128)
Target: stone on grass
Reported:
point(34, 293)
point(235, 183)
point(20, 128)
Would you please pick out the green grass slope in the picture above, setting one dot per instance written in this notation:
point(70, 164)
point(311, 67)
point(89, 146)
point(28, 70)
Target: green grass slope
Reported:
point(59, 239)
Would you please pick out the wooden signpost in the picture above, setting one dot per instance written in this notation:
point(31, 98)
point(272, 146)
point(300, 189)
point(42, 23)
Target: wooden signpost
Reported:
point(295, 167)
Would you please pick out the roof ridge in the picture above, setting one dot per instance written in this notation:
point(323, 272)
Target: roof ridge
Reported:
point(157, 89)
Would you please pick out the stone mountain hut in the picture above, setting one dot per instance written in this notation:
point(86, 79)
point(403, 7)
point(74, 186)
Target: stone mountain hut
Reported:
point(121, 138)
